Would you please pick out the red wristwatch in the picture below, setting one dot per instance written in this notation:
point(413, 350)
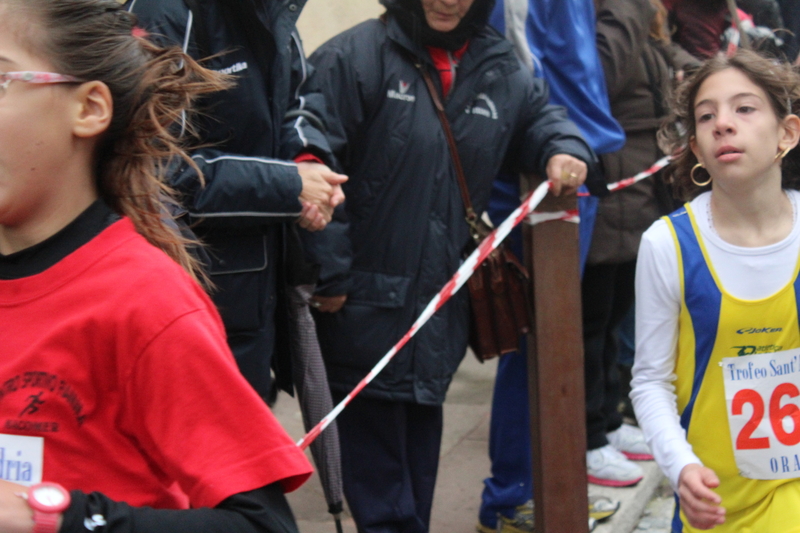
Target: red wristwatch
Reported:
point(47, 500)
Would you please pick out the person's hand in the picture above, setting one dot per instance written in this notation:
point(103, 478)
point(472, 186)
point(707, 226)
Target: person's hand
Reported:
point(321, 193)
point(565, 173)
point(327, 304)
point(310, 218)
point(698, 501)
point(16, 516)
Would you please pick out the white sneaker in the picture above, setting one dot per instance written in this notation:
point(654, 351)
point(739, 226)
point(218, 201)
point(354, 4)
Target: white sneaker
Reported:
point(630, 441)
point(607, 466)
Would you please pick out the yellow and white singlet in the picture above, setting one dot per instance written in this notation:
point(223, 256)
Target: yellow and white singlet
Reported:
point(713, 325)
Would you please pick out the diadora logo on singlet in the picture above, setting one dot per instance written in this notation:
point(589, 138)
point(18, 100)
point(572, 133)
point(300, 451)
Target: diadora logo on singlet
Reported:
point(483, 106)
point(747, 331)
point(233, 69)
point(752, 350)
point(402, 93)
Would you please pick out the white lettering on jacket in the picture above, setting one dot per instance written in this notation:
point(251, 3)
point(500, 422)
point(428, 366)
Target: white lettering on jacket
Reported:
point(233, 69)
point(402, 93)
point(490, 111)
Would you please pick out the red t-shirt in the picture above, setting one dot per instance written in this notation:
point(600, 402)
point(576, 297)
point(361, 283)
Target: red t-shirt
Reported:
point(118, 360)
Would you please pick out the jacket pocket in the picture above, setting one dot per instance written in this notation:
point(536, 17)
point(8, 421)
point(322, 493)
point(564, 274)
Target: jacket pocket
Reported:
point(378, 290)
point(235, 254)
point(238, 270)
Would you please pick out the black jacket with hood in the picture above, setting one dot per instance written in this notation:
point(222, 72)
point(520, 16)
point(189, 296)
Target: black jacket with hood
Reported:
point(401, 234)
point(246, 209)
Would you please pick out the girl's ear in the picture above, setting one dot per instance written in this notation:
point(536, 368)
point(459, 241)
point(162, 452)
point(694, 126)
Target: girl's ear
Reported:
point(93, 110)
point(791, 133)
point(694, 148)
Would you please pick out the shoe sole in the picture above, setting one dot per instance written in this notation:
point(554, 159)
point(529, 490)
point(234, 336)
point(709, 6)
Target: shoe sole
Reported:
point(614, 482)
point(508, 528)
point(638, 456)
point(480, 528)
point(602, 516)
point(606, 511)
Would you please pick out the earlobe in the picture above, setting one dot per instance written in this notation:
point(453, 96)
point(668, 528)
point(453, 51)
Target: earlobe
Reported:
point(94, 109)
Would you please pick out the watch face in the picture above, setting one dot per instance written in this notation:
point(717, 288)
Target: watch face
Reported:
point(47, 496)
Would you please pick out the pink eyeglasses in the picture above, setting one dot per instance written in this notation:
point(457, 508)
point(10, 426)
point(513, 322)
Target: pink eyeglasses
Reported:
point(34, 77)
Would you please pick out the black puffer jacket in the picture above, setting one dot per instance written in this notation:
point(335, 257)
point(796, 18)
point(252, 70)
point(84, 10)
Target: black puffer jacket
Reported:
point(402, 232)
point(251, 193)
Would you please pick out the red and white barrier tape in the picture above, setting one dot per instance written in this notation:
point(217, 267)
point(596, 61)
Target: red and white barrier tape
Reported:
point(470, 265)
point(538, 217)
point(459, 278)
point(572, 216)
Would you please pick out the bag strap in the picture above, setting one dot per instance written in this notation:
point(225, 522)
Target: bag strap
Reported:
point(471, 217)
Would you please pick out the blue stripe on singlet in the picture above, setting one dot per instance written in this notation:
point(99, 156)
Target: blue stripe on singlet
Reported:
point(677, 523)
point(797, 294)
point(703, 301)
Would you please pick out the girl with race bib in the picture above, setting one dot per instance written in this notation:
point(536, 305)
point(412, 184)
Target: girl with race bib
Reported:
point(718, 289)
point(121, 406)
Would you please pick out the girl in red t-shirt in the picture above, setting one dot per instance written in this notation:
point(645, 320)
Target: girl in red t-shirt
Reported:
point(119, 398)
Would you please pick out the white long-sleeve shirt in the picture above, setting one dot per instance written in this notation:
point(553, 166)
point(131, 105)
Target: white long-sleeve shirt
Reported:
point(747, 273)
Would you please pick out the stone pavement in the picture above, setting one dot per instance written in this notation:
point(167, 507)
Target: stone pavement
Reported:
point(464, 464)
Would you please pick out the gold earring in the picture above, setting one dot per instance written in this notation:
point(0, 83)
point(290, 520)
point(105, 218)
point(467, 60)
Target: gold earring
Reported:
point(781, 155)
point(691, 176)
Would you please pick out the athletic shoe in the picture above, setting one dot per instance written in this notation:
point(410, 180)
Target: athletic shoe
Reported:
point(630, 441)
point(602, 507)
point(607, 466)
point(521, 522)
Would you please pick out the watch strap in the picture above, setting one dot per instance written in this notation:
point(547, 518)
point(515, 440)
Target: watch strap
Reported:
point(45, 522)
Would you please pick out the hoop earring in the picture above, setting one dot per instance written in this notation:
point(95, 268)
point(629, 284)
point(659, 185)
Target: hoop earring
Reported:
point(691, 176)
point(781, 155)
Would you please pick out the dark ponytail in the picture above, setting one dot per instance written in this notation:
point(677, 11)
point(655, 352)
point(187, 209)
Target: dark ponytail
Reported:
point(152, 88)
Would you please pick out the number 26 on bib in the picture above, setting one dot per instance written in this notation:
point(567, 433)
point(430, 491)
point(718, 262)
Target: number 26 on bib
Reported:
point(762, 395)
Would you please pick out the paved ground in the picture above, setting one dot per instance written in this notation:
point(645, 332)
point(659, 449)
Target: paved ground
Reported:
point(464, 465)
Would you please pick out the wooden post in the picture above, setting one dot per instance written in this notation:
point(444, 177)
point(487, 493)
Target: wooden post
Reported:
point(555, 374)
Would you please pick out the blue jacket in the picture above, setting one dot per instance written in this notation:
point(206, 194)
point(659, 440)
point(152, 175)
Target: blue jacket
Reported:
point(556, 40)
point(559, 45)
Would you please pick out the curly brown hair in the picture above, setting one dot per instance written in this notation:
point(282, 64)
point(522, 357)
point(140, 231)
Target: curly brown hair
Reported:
point(778, 80)
point(152, 89)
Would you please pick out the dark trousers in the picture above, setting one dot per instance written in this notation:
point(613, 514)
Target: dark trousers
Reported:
point(390, 456)
point(607, 294)
point(511, 482)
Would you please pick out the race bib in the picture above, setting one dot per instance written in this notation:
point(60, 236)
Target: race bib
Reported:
point(762, 393)
point(21, 459)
